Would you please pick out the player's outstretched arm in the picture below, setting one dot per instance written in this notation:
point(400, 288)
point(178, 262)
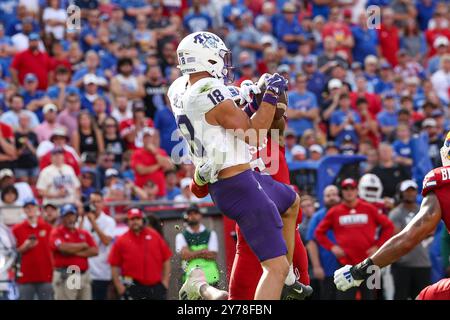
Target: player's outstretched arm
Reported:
point(422, 225)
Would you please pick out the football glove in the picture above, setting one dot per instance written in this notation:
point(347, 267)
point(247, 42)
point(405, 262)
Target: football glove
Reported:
point(246, 90)
point(343, 279)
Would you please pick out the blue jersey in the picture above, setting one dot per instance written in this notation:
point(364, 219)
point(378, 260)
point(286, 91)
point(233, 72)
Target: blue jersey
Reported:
point(403, 149)
point(338, 117)
point(195, 22)
point(366, 42)
point(387, 119)
point(327, 258)
point(283, 28)
point(304, 102)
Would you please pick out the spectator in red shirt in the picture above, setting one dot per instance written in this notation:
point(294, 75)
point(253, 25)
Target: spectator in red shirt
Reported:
point(373, 100)
point(71, 249)
point(60, 139)
point(142, 258)
point(388, 37)
point(341, 33)
point(150, 162)
point(7, 146)
point(36, 267)
point(355, 225)
point(33, 61)
point(131, 129)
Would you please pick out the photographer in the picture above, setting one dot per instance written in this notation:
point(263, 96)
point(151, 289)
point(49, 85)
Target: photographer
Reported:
point(101, 226)
point(36, 267)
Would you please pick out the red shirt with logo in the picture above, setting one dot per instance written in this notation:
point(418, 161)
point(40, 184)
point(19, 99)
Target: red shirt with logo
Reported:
point(37, 262)
point(438, 181)
point(355, 230)
point(140, 256)
point(39, 63)
point(61, 235)
point(144, 157)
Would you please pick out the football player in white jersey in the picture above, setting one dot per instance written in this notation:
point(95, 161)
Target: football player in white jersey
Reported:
point(217, 130)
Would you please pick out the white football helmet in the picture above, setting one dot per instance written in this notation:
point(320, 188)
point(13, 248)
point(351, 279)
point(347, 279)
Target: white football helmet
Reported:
point(370, 188)
point(204, 51)
point(445, 151)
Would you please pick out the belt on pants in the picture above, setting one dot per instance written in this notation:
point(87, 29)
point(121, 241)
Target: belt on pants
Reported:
point(64, 270)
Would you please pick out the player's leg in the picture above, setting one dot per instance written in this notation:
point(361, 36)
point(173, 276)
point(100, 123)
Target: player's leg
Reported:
point(300, 259)
point(243, 199)
point(246, 271)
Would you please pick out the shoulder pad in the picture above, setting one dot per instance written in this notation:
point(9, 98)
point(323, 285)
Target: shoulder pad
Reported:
point(205, 94)
point(435, 179)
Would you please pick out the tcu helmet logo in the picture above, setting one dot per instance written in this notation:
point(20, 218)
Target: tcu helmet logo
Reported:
point(208, 40)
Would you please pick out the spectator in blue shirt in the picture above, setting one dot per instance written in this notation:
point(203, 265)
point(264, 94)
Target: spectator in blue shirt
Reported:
point(171, 185)
point(164, 121)
point(321, 8)
point(196, 20)
point(370, 72)
point(88, 35)
point(441, 46)
point(323, 262)
point(33, 98)
point(288, 29)
point(344, 121)
point(91, 92)
point(8, 10)
point(366, 40)
point(385, 82)
point(233, 10)
point(133, 8)
point(315, 80)
point(303, 110)
point(425, 10)
point(92, 67)
point(403, 146)
point(387, 118)
point(243, 39)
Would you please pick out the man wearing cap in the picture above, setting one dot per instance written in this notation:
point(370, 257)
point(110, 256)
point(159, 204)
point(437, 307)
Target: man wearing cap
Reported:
point(315, 79)
point(58, 139)
point(32, 60)
point(50, 214)
point(140, 261)
point(45, 129)
point(16, 106)
point(355, 224)
point(288, 29)
point(198, 246)
point(33, 98)
point(387, 118)
point(303, 109)
point(58, 183)
point(315, 152)
point(102, 228)
point(344, 121)
point(71, 249)
point(186, 193)
point(366, 40)
point(150, 162)
point(441, 46)
point(91, 93)
point(411, 272)
point(36, 265)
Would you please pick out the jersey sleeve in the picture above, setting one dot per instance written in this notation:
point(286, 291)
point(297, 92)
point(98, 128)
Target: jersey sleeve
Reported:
point(206, 94)
point(430, 182)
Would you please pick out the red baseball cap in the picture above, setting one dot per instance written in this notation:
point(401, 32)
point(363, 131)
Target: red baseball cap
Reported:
point(135, 213)
point(349, 182)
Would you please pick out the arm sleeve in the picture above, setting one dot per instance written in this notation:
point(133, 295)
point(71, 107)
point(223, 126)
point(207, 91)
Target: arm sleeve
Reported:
point(430, 182)
point(321, 231)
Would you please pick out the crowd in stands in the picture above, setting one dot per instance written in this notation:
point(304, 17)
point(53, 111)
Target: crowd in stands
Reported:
point(83, 109)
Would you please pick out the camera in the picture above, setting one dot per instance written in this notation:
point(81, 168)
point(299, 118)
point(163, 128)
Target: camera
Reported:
point(88, 207)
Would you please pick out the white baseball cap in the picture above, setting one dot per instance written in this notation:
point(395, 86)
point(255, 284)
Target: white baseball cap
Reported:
point(334, 83)
point(90, 78)
point(298, 149)
point(405, 185)
point(6, 173)
point(185, 182)
point(316, 148)
point(49, 107)
point(440, 41)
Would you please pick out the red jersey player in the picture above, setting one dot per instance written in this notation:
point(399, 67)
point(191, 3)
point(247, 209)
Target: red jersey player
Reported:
point(435, 206)
point(246, 270)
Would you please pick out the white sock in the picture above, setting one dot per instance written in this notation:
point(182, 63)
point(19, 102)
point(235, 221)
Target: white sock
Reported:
point(290, 279)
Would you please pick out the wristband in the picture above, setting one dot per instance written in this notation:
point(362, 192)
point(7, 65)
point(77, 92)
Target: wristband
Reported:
point(270, 98)
point(359, 271)
point(251, 108)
